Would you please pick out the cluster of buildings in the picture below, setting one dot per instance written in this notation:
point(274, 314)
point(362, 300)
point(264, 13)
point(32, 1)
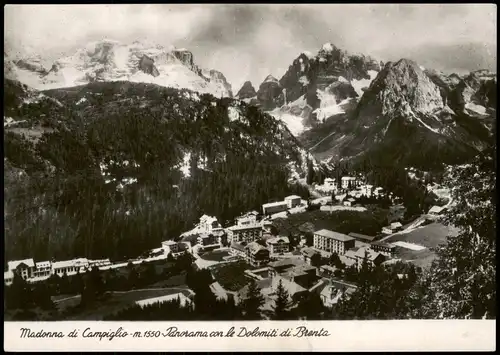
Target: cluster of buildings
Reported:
point(351, 187)
point(33, 271)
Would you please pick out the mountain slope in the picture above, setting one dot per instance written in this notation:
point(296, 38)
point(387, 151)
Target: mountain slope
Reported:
point(109, 60)
point(412, 117)
point(316, 87)
point(121, 166)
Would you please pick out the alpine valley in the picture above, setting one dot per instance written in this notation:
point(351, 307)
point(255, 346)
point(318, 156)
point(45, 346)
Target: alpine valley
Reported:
point(115, 130)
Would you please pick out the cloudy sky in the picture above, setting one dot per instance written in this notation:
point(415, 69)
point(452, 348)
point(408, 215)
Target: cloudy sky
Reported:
point(248, 42)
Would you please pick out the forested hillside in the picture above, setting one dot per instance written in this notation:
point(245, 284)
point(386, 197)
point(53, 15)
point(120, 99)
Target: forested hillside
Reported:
point(112, 169)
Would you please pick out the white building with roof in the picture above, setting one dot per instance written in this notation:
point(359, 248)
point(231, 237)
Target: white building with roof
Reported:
point(25, 268)
point(210, 225)
point(274, 207)
point(244, 233)
point(69, 267)
point(331, 241)
point(278, 245)
point(43, 268)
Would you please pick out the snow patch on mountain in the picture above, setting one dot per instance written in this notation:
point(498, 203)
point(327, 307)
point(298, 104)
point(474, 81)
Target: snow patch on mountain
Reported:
point(328, 47)
point(308, 54)
point(476, 108)
point(233, 113)
point(109, 60)
point(328, 105)
point(294, 123)
point(359, 85)
point(303, 80)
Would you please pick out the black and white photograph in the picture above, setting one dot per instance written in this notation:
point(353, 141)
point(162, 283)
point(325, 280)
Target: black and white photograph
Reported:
point(249, 162)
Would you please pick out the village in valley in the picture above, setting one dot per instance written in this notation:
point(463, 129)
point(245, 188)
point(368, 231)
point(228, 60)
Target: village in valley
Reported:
point(280, 247)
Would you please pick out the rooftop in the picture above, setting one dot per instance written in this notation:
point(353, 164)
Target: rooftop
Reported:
point(370, 253)
point(362, 236)
point(244, 226)
point(331, 234)
point(255, 247)
point(286, 262)
point(261, 284)
point(292, 197)
point(291, 287)
point(14, 264)
point(277, 240)
point(237, 246)
point(299, 270)
point(43, 264)
point(309, 252)
point(81, 262)
point(273, 204)
point(382, 244)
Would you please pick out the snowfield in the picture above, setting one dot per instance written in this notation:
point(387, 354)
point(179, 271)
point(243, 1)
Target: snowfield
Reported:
point(122, 62)
point(294, 123)
point(410, 246)
point(359, 85)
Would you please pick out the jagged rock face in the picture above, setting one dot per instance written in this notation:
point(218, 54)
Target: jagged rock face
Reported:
point(404, 118)
point(341, 90)
point(33, 66)
point(185, 57)
point(114, 61)
point(308, 74)
point(329, 82)
point(146, 64)
point(269, 94)
point(219, 78)
point(247, 91)
point(403, 86)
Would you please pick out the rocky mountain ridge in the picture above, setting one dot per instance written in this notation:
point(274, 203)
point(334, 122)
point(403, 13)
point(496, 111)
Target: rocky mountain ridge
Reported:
point(110, 60)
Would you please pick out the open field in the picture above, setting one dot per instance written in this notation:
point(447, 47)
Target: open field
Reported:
point(216, 255)
point(231, 276)
point(429, 236)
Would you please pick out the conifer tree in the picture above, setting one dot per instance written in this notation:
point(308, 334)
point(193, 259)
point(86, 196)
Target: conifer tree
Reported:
point(252, 303)
point(282, 303)
point(463, 278)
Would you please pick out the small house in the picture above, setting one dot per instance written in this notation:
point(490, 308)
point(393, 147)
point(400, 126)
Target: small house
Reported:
point(278, 245)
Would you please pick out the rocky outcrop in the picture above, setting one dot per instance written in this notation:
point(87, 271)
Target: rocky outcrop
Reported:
point(247, 91)
point(217, 77)
point(270, 93)
point(400, 88)
point(146, 64)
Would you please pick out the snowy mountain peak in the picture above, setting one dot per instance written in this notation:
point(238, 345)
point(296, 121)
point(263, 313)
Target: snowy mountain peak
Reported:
point(111, 60)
